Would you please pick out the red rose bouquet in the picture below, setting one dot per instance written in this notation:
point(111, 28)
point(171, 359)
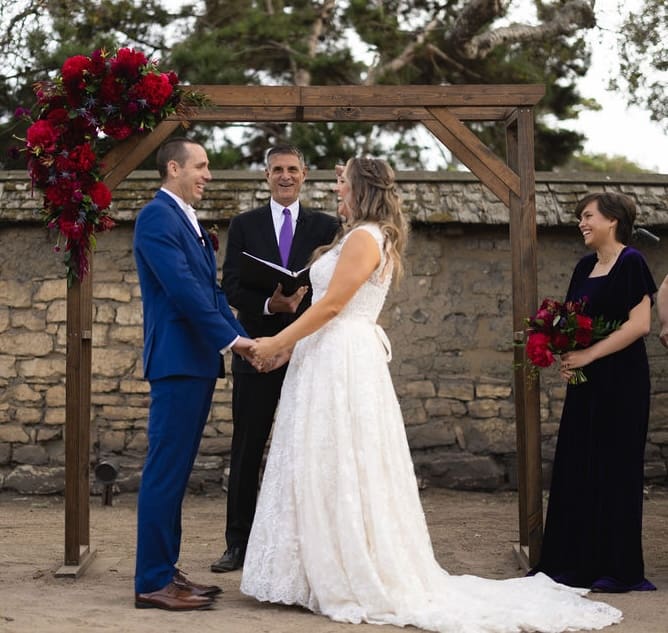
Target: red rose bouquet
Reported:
point(558, 328)
point(94, 99)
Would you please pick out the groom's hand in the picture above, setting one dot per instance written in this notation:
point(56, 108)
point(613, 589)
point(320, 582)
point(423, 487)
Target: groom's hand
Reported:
point(244, 347)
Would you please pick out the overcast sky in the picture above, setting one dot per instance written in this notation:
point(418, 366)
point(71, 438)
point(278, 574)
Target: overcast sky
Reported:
point(616, 129)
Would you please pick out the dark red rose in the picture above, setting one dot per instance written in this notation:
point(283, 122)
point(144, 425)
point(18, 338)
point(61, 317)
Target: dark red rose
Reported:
point(58, 116)
point(128, 63)
point(78, 130)
point(117, 129)
point(98, 63)
point(154, 89)
point(39, 172)
point(111, 90)
point(100, 195)
point(584, 333)
point(73, 231)
point(83, 157)
point(538, 351)
point(173, 78)
point(545, 316)
point(62, 195)
point(73, 71)
point(42, 136)
point(560, 342)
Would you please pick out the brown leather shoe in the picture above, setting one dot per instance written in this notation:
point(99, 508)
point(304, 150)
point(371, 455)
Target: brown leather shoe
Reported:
point(195, 588)
point(172, 598)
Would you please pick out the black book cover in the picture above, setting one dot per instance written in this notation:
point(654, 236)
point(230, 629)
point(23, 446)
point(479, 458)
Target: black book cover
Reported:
point(260, 274)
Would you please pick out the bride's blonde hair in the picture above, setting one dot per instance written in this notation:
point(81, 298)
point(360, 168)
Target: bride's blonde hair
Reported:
point(374, 198)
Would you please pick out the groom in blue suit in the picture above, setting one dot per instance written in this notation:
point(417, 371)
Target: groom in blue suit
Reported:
point(188, 325)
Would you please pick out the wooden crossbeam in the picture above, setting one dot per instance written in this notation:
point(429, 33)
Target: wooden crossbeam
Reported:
point(313, 114)
point(511, 95)
point(135, 153)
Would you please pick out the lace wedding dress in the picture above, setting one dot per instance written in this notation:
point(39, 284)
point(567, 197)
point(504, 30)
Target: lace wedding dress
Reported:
point(339, 528)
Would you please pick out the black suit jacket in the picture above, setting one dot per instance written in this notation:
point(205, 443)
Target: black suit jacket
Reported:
point(253, 231)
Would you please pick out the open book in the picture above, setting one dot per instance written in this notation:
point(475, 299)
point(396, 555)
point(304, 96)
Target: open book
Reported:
point(260, 274)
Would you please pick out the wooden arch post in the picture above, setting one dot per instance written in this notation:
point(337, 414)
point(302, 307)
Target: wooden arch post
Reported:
point(442, 110)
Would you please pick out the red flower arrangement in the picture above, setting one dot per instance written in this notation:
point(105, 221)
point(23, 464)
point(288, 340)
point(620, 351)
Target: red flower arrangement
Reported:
point(558, 328)
point(94, 99)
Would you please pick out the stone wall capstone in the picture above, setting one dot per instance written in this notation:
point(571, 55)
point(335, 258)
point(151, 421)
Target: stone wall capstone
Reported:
point(449, 322)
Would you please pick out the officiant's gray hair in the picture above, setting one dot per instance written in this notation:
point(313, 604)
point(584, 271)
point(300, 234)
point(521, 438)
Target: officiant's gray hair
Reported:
point(284, 149)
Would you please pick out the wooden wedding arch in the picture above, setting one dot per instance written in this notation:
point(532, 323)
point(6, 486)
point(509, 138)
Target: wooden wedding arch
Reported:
point(442, 110)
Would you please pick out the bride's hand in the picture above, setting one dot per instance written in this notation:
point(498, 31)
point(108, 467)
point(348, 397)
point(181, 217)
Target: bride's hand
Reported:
point(263, 351)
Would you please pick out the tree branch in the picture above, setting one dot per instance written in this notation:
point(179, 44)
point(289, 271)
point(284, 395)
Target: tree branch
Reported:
point(404, 58)
point(462, 68)
point(302, 75)
point(575, 15)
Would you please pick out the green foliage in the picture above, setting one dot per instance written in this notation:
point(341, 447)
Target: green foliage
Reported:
point(601, 163)
point(287, 42)
point(643, 72)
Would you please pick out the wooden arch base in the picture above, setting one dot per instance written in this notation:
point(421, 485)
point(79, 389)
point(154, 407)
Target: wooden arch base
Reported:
point(442, 110)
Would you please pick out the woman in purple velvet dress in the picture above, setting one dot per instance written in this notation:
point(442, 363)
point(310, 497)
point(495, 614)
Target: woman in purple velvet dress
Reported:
point(594, 517)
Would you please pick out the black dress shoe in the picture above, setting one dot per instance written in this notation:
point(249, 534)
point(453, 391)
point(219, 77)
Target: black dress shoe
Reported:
point(232, 559)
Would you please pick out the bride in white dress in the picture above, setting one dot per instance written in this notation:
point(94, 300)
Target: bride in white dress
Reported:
point(339, 528)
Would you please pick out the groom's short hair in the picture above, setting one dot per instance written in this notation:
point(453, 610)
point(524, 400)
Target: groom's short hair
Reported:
point(172, 149)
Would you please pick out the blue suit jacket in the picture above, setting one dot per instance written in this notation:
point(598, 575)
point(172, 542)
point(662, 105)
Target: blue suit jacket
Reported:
point(187, 319)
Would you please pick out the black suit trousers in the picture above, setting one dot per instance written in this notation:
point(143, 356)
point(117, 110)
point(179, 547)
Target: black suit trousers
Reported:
point(254, 400)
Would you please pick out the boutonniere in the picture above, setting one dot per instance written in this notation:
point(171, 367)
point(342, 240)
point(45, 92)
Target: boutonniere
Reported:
point(213, 237)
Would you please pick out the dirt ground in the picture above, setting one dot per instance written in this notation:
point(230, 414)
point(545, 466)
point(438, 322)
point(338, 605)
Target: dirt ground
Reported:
point(471, 532)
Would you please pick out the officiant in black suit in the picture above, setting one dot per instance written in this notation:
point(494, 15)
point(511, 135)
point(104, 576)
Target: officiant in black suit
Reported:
point(286, 233)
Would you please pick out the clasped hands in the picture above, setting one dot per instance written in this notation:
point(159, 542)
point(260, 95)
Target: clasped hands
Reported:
point(262, 353)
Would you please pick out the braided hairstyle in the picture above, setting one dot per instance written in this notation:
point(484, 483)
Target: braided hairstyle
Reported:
point(374, 198)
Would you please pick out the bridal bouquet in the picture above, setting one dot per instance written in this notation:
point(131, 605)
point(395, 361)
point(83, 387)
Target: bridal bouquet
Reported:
point(558, 328)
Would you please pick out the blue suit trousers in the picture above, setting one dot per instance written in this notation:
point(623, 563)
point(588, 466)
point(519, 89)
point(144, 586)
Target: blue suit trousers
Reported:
point(178, 412)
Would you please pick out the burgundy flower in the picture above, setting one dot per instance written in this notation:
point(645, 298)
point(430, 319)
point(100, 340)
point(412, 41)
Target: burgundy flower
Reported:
point(62, 195)
point(545, 316)
point(57, 116)
point(83, 158)
point(128, 62)
point(73, 71)
point(111, 90)
point(98, 63)
point(538, 350)
point(42, 136)
point(100, 195)
point(585, 331)
point(73, 231)
point(560, 342)
point(153, 88)
point(117, 129)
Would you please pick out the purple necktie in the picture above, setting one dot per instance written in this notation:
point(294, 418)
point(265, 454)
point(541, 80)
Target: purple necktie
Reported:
point(285, 237)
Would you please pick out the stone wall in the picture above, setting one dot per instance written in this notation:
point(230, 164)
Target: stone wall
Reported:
point(449, 322)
